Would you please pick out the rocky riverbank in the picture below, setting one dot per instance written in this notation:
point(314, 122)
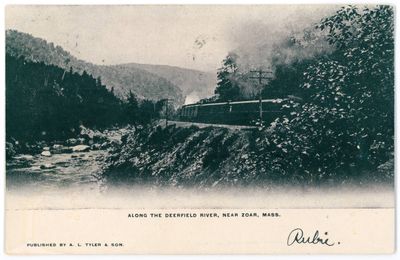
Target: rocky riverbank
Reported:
point(74, 161)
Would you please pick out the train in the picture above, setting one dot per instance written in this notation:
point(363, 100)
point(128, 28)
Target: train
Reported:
point(246, 112)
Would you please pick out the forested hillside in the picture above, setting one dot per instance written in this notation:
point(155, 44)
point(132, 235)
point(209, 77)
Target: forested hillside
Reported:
point(122, 79)
point(45, 102)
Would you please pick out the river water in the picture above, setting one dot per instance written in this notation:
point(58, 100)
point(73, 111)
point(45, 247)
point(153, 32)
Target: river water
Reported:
point(61, 172)
point(65, 171)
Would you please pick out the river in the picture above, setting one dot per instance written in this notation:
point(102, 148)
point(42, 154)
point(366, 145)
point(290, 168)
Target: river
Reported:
point(78, 170)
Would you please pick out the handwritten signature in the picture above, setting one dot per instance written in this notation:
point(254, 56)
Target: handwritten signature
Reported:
point(297, 236)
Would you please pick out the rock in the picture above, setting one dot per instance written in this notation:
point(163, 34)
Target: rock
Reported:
point(80, 148)
point(89, 134)
point(86, 132)
point(71, 141)
point(47, 166)
point(96, 147)
point(46, 153)
point(24, 157)
point(74, 156)
point(57, 147)
point(104, 145)
point(81, 140)
point(46, 148)
point(66, 150)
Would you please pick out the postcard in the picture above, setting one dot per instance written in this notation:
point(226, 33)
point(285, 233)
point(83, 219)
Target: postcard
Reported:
point(199, 129)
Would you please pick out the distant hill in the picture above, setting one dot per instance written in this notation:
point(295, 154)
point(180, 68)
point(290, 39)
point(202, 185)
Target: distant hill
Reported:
point(146, 81)
point(194, 84)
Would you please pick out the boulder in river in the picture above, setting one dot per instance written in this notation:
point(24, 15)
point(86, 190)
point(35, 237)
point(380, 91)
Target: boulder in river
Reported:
point(46, 153)
point(94, 135)
point(57, 146)
point(81, 148)
point(24, 157)
point(47, 166)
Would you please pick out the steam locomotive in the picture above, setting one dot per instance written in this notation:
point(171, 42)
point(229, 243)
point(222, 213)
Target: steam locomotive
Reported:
point(233, 113)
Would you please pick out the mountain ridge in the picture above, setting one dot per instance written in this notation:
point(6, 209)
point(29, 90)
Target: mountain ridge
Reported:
point(195, 84)
point(147, 81)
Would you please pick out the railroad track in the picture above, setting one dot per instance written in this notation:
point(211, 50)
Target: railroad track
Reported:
point(204, 125)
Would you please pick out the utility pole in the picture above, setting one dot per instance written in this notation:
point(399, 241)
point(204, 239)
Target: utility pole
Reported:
point(261, 75)
point(166, 113)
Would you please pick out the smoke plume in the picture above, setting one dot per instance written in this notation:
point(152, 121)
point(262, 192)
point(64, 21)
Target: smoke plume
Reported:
point(284, 35)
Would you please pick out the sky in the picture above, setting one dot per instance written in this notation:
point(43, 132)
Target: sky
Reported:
point(196, 37)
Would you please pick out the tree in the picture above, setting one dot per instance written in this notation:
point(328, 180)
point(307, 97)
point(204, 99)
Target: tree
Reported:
point(132, 109)
point(346, 124)
point(287, 80)
point(227, 87)
point(41, 104)
point(147, 111)
point(365, 54)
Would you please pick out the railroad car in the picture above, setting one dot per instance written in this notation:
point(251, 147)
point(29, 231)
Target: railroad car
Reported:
point(234, 113)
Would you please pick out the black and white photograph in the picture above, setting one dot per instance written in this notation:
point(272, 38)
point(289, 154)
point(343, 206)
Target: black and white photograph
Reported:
point(235, 113)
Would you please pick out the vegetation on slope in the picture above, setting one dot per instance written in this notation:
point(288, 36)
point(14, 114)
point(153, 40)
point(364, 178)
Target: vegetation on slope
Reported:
point(44, 102)
point(121, 79)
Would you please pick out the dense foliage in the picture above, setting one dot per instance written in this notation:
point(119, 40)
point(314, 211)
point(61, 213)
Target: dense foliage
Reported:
point(291, 57)
point(227, 85)
point(346, 124)
point(141, 112)
point(287, 80)
point(46, 102)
